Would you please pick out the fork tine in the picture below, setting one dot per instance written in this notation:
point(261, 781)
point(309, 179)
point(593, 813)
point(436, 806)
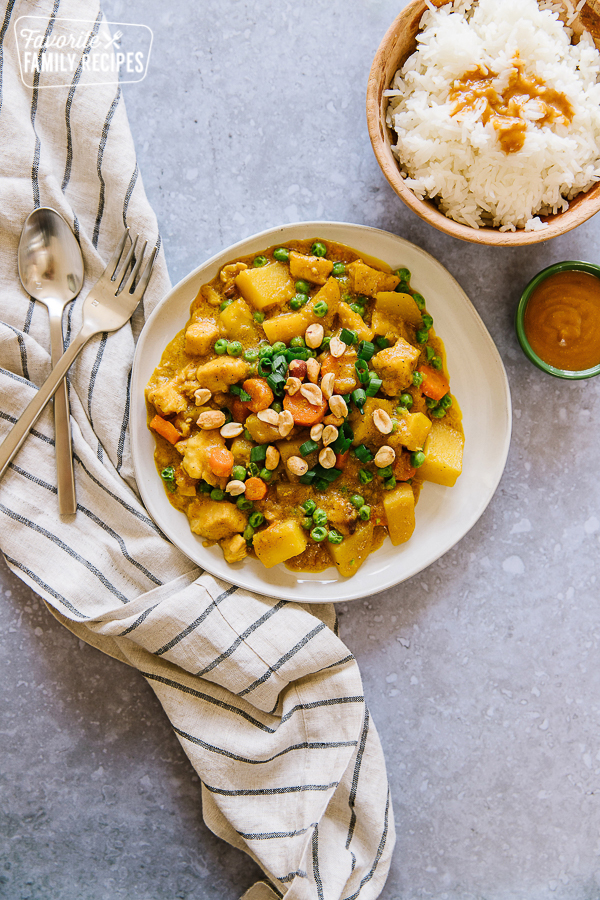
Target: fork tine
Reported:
point(145, 277)
point(130, 281)
point(113, 263)
point(122, 270)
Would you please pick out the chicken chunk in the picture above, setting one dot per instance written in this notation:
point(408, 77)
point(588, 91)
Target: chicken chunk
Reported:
point(215, 519)
point(234, 548)
point(167, 399)
point(366, 280)
point(220, 373)
point(196, 452)
point(395, 366)
point(200, 337)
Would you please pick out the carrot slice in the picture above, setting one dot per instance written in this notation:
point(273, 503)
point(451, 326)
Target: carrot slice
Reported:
point(165, 429)
point(240, 411)
point(261, 395)
point(341, 459)
point(221, 461)
point(435, 385)
point(256, 489)
point(303, 412)
point(402, 467)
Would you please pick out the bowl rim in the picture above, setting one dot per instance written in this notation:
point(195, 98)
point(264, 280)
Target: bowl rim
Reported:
point(568, 265)
point(581, 208)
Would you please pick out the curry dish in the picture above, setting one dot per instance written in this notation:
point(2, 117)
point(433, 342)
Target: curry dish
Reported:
point(299, 411)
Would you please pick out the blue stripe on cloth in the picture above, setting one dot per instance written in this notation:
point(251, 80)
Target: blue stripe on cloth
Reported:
point(72, 89)
point(382, 841)
point(101, 148)
point(268, 792)
point(242, 637)
point(193, 625)
point(3, 30)
point(42, 584)
point(35, 167)
point(303, 745)
point(17, 517)
point(315, 862)
point(280, 662)
point(355, 777)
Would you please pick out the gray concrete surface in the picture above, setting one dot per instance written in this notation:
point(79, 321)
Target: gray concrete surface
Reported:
point(481, 672)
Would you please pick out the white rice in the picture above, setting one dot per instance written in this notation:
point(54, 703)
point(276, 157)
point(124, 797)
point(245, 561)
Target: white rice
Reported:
point(457, 159)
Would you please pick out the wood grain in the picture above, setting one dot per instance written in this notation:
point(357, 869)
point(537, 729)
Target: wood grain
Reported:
point(397, 45)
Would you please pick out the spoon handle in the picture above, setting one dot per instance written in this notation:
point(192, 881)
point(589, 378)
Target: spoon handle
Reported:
point(16, 436)
point(67, 502)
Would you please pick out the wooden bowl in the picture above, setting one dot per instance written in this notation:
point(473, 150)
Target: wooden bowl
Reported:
point(397, 45)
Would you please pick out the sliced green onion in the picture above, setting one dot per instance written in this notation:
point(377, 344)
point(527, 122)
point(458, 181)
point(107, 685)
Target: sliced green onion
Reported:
point(265, 474)
point(373, 386)
point(348, 336)
point(362, 371)
point(359, 397)
point(382, 342)
point(276, 382)
point(389, 483)
point(253, 469)
point(366, 350)
point(320, 484)
point(308, 477)
point(363, 453)
point(308, 447)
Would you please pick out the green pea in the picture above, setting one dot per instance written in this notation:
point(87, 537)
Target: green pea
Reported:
point(446, 401)
point(427, 321)
point(406, 400)
point(359, 310)
point(417, 459)
point(365, 476)
point(421, 335)
point(277, 406)
point(248, 534)
point(417, 379)
point(357, 501)
point(228, 416)
point(297, 342)
point(259, 261)
point(318, 249)
point(419, 300)
point(234, 348)
point(389, 483)
point(281, 254)
point(225, 304)
point(339, 268)
point(168, 474)
point(318, 534)
point(278, 347)
point(295, 303)
point(221, 347)
point(364, 513)
point(256, 519)
point(265, 351)
point(259, 317)
point(386, 472)
point(309, 506)
point(238, 473)
point(320, 309)
point(319, 516)
point(403, 274)
point(430, 403)
point(325, 343)
point(243, 504)
point(307, 523)
point(334, 537)
point(402, 288)
point(302, 287)
point(265, 474)
point(438, 413)
point(250, 355)
point(217, 494)
point(204, 487)
point(436, 362)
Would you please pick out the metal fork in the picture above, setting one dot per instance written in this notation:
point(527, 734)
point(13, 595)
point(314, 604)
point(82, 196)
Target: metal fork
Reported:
point(108, 306)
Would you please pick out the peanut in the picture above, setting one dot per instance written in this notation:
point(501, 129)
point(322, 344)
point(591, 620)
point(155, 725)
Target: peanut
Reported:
point(202, 396)
point(297, 369)
point(272, 458)
point(327, 458)
point(235, 488)
point(385, 456)
point(330, 434)
point(292, 386)
point(213, 419)
point(338, 406)
point(382, 421)
point(312, 370)
point(316, 431)
point(337, 347)
point(231, 430)
point(313, 336)
point(297, 465)
point(269, 416)
point(286, 423)
point(327, 383)
point(312, 393)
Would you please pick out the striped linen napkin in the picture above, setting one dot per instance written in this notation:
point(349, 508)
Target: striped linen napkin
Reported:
point(264, 697)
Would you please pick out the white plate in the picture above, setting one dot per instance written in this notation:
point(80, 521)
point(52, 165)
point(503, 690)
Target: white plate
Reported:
point(444, 515)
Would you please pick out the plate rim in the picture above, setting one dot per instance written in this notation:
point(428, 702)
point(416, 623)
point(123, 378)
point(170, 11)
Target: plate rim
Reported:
point(236, 576)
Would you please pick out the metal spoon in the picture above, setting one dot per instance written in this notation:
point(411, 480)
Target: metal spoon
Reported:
point(51, 271)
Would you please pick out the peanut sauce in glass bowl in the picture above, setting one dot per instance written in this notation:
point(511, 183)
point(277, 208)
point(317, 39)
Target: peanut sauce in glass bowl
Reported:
point(558, 320)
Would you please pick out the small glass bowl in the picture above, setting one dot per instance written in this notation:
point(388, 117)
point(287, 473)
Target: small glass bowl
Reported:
point(578, 265)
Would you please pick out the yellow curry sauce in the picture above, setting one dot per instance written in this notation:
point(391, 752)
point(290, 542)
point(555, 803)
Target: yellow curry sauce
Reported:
point(502, 100)
point(301, 408)
point(562, 320)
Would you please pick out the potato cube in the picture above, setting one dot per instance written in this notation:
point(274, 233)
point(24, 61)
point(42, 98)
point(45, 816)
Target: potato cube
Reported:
point(241, 448)
point(279, 542)
point(237, 323)
point(366, 280)
point(399, 506)
point(364, 427)
point(354, 549)
point(411, 431)
point(218, 374)
point(354, 322)
point(398, 306)
point(267, 286)
point(311, 268)
point(443, 454)
point(289, 448)
point(260, 431)
point(215, 519)
point(200, 337)
point(285, 327)
point(395, 366)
